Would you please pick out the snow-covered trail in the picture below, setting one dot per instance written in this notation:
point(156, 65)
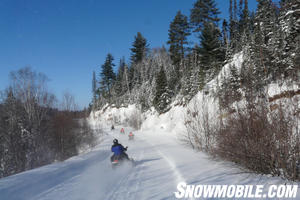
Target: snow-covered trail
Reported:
point(90, 176)
point(161, 163)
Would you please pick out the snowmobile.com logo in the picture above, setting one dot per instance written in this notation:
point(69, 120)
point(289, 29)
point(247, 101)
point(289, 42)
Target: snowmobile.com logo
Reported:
point(235, 191)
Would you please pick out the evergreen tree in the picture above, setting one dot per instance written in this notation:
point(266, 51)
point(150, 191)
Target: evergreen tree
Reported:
point(234, 28)
point(118, 86)
point(244, 23)
point(191, 83)
point(235, 12)
point(162, 94)
point(132, 77)
point(204, 17)
point(138, 53)
point(266, 17)
point(240, 7)
point(107, 75)
point(178, 32)
point(225, 39)
point(259, 56)
point(211, 51)
point(13, 157)
point(125, 82)
point(187, 83)
point(139, 49)
point(234, 84)
point(94, 87)
point(261, 48)
point(204, 11)
point(231, 23)
point(288, 43)
point(229, 91)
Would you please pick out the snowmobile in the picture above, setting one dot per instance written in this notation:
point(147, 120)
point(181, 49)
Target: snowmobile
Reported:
point(130, 136)
point(119, 160)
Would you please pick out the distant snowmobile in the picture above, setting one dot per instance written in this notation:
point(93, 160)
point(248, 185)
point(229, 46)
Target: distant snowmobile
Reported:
point(130, 136)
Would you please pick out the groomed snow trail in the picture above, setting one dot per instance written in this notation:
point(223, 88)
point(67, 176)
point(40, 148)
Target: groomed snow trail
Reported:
point(90, 176)
point(160, 164)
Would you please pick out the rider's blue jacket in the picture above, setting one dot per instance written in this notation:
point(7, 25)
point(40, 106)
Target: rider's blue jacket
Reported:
point(118, 149)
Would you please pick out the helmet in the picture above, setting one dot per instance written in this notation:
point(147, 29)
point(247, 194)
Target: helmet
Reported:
point(115, 141)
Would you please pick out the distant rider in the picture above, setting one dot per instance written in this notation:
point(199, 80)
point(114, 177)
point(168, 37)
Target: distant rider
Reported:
point(130, 136)
point(119, 150)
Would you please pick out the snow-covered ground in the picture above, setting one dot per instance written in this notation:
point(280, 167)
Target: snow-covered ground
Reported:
point(161, 163)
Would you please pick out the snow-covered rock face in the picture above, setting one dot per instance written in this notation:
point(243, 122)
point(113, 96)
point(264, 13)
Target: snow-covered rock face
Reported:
point(173, 121)
point(237, 62)
point(109, 115)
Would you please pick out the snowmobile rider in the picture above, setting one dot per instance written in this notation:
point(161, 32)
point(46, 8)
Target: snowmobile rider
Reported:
point(119, 150)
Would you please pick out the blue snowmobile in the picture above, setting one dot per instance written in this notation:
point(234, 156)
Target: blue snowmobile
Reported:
point(119, 155)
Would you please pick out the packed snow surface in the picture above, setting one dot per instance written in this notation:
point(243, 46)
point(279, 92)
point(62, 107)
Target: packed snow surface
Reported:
point(161, 163)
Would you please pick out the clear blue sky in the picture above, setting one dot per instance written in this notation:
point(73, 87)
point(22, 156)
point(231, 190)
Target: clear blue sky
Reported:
point(68, 39)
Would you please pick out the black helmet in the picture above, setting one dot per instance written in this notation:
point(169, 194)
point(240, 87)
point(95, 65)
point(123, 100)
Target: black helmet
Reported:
point(115, 141)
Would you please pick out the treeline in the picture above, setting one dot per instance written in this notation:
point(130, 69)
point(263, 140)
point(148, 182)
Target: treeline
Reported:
point(32, 131)
point(259, 134)
point(247, 129)
point(268, 37)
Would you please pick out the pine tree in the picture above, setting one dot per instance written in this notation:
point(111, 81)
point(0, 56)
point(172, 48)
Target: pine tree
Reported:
point(94, 87)
point(132, 77)
point(118, 85)
point(288, 47)
point(235, 12)
point(107, 76)
point(13, 158)
point(244, 23)
point(261, 48)
point(234, 28)
point(178, 32)
point(265, 15)
point(211, 51)
point(125, 82)
point(229, 91)
point(225, 39)
point(202, 12)
point(234, 84)
point(187, 83)
point(231, 23)
point(240, 7)
point(139, 49)
point(162, 94)
point(138, 53)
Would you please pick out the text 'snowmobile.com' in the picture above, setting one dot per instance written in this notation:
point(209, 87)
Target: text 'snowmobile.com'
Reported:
point(235, 191)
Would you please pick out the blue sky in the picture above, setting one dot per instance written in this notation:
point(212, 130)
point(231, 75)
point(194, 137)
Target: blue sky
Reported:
point(68, 39)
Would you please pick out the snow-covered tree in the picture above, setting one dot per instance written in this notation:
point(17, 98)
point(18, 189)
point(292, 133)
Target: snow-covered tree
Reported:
point(162, 94)
point(107, 76)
